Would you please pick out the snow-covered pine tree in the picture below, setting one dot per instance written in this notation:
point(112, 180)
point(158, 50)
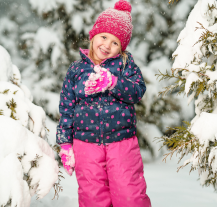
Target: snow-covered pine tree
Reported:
point(195, 72)
point(12, 25)
point(27, 163)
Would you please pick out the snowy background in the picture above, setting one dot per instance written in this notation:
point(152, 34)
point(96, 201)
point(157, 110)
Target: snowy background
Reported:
point(43, 38)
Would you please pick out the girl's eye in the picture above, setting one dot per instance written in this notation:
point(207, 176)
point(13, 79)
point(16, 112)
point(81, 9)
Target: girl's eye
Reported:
point(116, 43)
point(104, 37)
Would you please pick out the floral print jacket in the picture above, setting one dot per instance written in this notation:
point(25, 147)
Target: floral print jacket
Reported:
point(103, 117)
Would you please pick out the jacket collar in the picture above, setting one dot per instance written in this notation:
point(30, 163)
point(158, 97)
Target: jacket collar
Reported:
point(84, 56)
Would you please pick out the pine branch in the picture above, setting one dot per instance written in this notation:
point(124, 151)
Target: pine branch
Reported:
point(56, 148)
point(177, 147)
point(47, 129)
point(179, 140)
point(12, 105)
point(167, 76)
point(5, 91)
point(168, 89)
point(57, 187)
point(172, 1)
point(200, 74)
point(34, 163)
point(182, 142)
point(212, 7)
point(31, 119)
point(204, 35)
point(200, 88)
point(14, 82)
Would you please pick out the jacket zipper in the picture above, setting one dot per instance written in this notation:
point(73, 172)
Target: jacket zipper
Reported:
point(101, 134)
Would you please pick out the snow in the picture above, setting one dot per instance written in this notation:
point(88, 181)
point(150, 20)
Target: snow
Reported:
point(187, 110)
point(26, 92)
point(51, 125)
point(212, 161)
point(187, 48)
point(182, 9)
point(26, 145)
point(42, 6)
point(37, 120)
point(192, 77)
point(150, 132)
point(204, 128)
point(195, 68)
point(167, 188)
point(153, 85)
point(171, 119)
point(16, 75)
point(212, 76)
point(26, 112)
point(22, 108)
point(77, 23)
point(9, 27)
point(45, 37)
point(53, 99)
point(140, 51)
point(15, 186)
point(6, 65)
point(205, 131)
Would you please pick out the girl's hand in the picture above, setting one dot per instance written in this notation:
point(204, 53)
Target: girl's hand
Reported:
point(100, 81)
point(67, 158)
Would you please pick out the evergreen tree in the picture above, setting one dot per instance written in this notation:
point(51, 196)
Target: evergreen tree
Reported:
point(194, 69)
point(13, 25)
point(27, 163)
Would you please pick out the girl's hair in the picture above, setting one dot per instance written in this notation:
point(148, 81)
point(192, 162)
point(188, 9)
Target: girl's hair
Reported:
point(91, 56)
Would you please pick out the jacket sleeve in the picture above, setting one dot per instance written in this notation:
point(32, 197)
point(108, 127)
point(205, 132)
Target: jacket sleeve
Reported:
point(66, 109)
point(130, 86)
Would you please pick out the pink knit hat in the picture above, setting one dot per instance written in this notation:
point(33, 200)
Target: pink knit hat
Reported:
point(117, 21)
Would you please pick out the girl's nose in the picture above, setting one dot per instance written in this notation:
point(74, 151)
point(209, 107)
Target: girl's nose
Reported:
point(107, 45)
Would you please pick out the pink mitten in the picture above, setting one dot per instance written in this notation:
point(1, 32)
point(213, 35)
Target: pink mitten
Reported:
point(99, 81)
point(67, 158)
point(114, 82)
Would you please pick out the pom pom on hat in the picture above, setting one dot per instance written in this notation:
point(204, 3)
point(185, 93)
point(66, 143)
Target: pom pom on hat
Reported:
point(123, 5)
point(117, 21)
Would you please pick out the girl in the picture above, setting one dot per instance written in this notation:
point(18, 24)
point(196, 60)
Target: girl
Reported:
point(97, 128)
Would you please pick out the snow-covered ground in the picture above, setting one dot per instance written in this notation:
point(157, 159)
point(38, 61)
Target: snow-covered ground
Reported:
point(165, 187)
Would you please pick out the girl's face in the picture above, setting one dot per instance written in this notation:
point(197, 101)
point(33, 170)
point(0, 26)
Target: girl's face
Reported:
point(105, 45)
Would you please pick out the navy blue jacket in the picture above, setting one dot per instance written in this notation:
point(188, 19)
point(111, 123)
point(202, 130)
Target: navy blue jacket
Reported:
point(102, 117)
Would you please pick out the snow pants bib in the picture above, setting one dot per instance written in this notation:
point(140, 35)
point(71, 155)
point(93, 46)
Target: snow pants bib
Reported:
point(110, 175)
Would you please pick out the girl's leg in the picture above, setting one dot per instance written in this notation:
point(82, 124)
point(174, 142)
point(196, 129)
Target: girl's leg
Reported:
point(125, 173)
point(90, 169)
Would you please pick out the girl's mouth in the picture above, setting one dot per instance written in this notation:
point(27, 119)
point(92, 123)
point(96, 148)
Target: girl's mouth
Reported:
point(103, 51)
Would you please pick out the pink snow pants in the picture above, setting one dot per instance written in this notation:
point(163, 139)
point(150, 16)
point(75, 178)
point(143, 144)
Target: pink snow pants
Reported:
point(110, 175)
